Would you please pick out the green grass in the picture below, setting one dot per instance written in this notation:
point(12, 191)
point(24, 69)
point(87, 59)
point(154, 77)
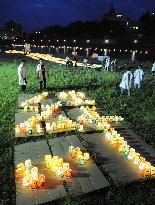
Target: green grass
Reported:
point(138, 111)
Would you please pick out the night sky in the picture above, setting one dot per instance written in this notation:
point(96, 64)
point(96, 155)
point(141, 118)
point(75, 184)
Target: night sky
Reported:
point(36, 14)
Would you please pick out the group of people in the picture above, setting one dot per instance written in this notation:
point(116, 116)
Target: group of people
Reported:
point(109, 64)
point(128, 77)
point(42, 74)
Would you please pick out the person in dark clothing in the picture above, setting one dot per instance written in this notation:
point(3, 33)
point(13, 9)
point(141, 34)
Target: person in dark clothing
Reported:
point(42, 74)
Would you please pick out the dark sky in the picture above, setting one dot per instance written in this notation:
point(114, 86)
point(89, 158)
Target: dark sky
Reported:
point(35, 14)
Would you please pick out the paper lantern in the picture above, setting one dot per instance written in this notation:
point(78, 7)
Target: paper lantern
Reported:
point(73, 154)
point(68, 173)
point(19, 173)
point(86, 156)
point(34, 184)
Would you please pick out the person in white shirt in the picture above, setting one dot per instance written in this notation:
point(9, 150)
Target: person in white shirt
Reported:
point(22, 75)
point(126, 82)
point(153, 68)
point(93, 66)
point(138, 77)
point(85, 61)
point(42, 72)
point(107, 64)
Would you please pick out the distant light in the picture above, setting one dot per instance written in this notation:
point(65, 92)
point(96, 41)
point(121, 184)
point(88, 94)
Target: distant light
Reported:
point(41, 40)
point(64, 40)
point(119, 15)
point(126, 50)
point(146, 52)
point(74, 40)
point(135, 41)
point(120, 50)
point(57, 40)
point(77, 47)
point(114, 49)
point(33, 40)
point(87, 41)
point(127, 23)
point(48, 40)
point(101, 49)
point(36, 32)
point(95, 49)
point(106, 41)
point(152, 13)
point(24, 40)
point(80, 48)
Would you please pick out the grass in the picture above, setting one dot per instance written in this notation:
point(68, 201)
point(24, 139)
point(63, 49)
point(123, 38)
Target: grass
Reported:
point(138, 112)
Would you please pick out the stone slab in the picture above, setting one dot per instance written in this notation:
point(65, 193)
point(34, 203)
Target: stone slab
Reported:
point(20, 117)
point(117, 166)
point(84, 178)
point(53, 188)
point(50, 99)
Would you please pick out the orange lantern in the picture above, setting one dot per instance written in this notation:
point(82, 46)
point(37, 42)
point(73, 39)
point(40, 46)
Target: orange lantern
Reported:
point(41, 180)
point(68, 173)
point(34, 184)
point(152, 171)
point(19, 173)
point(73, 154)
point(146, 171)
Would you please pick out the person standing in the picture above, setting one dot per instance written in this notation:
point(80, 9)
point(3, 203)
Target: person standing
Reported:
point(138, 77)
point(22, 75)
point(153, 68)
point(126, 82)
point(42, 72)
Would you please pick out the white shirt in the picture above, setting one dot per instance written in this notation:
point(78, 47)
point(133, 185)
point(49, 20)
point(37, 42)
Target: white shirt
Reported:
point(138, 76)
point(39, 71)
point(153, 67)
point(22, 74)
point(126, 81)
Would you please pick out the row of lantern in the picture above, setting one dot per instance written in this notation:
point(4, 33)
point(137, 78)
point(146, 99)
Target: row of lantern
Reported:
point(77, 154)
point(122, 146)
point(73, 98)
point(95, 49)
point(35, 100)
point(34, 125)
point(57, 166)
point(117, 141)
point(44, 108)
point(30, 175)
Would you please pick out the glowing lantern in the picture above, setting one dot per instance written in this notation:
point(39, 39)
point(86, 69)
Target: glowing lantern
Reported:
point(26, 181)
point(34, 184)
point(73, 154)
point(86, 156)
point(41, 180)
point(19, 173)
point(68, 173)
point(81, 160)
point(71, 148)
point(59, 173)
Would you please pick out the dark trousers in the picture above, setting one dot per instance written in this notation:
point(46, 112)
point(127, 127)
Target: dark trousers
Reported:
point(23, 88)
point(43, 84)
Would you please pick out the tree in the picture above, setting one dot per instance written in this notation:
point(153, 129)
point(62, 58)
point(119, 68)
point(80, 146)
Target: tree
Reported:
point(11, 30)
